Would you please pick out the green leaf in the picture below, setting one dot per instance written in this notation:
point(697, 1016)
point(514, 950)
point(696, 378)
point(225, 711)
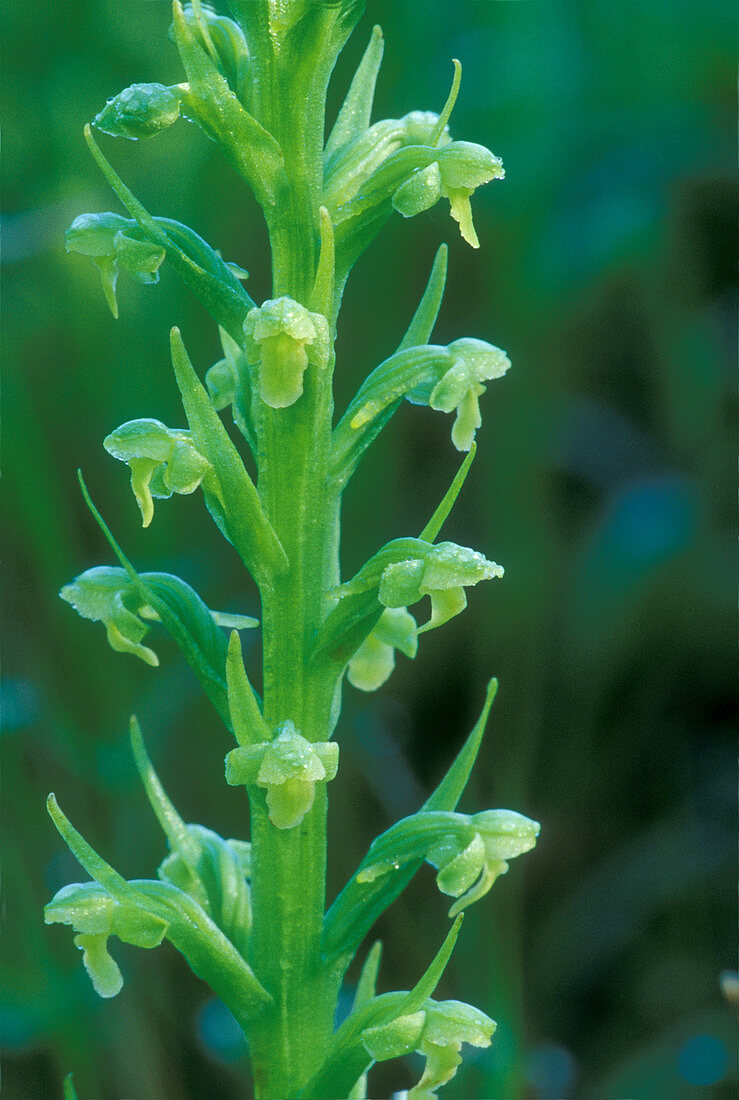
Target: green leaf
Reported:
point(248, 723)
point(248, 527)
point(347, 1058)
point(195, 262)
point(356, 110)
point(70, 1092)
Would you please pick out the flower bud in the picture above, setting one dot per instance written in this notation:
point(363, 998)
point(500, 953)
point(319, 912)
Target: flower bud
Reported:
point(162, 461)
point(139, 111)
point(352, 166)
point(289, 768)
point(282, 337)
point(220, 36)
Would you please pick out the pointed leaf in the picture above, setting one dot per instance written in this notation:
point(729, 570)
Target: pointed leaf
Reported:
point(354, 117)
point(249, 726)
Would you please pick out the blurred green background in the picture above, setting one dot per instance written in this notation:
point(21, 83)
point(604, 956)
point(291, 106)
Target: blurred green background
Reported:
point(607, 272)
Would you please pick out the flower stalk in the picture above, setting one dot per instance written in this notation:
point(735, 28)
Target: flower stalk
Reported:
point(256, 85)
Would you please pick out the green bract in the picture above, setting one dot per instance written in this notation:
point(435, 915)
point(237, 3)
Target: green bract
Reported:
point(250, 916)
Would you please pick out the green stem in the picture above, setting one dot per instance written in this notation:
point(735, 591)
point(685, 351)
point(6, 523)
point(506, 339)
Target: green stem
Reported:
point(288, 1041)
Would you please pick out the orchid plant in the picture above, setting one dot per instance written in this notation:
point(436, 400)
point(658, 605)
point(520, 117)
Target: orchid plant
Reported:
point(250, 917)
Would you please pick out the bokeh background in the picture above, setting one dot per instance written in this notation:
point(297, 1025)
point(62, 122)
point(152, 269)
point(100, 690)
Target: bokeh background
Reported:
point(601, 483)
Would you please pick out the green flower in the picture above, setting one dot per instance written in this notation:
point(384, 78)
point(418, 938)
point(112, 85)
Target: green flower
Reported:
point(282, 337)
point(112, 243)
point(468, 870)
point(458, 171)
point(104, 594)
point(95, 915)
point(162, 461)
point(469, 852)
point(109, 595)
point(460, 387)
point(442, 573)
point(288, 768)
point(436, 1031)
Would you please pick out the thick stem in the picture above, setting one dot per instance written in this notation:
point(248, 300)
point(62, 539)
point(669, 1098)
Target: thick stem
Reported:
point(287, 1042)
